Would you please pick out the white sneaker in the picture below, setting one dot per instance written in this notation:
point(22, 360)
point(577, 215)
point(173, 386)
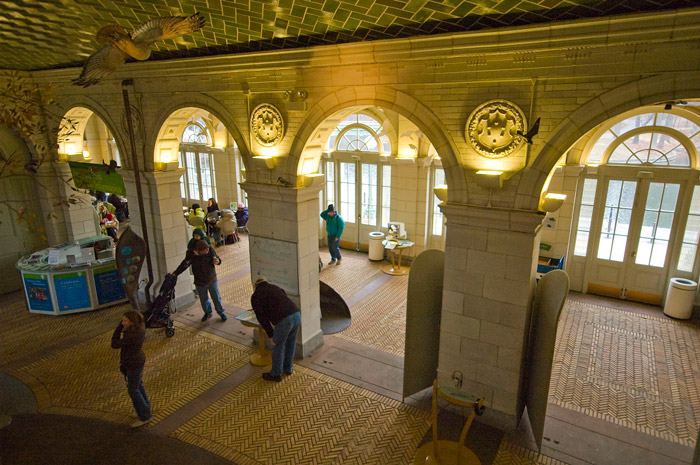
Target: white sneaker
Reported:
point(332, 262)
point(338, 262)
point(138, 423)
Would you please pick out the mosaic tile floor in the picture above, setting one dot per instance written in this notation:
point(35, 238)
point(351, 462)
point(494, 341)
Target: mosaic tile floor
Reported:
point(512, 454)
point(308, 418)
point(177, 370)
point(637, 371)
point(379, 320)
point(25, 333)
point(355, 272)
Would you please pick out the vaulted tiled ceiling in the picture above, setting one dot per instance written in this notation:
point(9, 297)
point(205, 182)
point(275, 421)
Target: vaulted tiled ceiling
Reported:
point(39, 34)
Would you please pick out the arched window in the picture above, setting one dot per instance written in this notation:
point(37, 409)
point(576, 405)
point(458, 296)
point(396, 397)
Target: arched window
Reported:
point(359, 133)
point(196, 156)
point(653, 139)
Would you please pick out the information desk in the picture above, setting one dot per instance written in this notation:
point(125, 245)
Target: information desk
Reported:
point(71, 278)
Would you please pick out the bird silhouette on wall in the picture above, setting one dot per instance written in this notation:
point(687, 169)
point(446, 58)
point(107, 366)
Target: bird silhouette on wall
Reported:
point(531, 133)
point(284, 182)
point(120, 45)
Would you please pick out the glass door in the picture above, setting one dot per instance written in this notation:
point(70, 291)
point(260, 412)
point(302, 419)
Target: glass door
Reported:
point(633, 239)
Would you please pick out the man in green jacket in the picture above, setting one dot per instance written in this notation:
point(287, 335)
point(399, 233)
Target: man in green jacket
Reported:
point(334, 228)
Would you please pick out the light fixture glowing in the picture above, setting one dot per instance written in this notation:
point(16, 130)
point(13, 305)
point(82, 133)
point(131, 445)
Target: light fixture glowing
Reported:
point(441, 192)
point(270, 161)
point(553, 202)
point(166, 155)
point(489, 179)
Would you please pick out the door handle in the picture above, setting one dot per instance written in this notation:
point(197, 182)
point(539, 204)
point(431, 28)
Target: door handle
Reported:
point(634, 254)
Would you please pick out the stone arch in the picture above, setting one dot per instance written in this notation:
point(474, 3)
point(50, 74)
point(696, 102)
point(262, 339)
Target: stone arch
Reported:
point(396, 101)
point(198, 101)
point(624, 98)
point(70, 105)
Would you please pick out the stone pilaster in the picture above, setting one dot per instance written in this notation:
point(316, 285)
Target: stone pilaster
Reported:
point(167, 230)
point(291, 214)
point(67, 222)
point(490, 263)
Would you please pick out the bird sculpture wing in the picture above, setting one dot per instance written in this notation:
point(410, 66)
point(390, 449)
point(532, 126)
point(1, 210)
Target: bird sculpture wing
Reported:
point(100, 64)
point(167, 27)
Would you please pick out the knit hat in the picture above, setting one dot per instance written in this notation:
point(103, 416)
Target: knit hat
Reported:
point(331, 208)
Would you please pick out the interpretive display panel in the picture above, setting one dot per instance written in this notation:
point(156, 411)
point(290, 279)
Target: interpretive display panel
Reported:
point(108, 285)
point(71, 291)
point(38, 292)
point(275, 260)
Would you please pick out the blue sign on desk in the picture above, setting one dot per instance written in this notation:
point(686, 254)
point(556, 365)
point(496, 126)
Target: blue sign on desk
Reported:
point(38, 293)
point(71, 291)
point(108, 285)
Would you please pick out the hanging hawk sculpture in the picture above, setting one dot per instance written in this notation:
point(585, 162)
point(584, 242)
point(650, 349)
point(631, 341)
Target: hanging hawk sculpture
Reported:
point(120, 45)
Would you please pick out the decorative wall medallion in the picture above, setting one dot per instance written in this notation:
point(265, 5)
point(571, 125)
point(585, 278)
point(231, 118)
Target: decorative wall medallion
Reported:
point(491, 128)
point(267, 125)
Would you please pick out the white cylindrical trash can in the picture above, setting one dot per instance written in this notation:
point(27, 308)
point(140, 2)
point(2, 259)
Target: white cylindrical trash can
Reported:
point(680, 298)
point(376, 248)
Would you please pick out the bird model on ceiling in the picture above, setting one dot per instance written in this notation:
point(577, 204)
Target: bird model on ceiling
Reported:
point(120, 45)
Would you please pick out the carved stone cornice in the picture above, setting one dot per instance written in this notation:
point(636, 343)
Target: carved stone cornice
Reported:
point(523, 221)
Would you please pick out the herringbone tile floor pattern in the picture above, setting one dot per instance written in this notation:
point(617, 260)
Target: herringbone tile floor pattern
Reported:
point(234, 257)
point(512, 454)
point(379, 320)
point(353, 274)
point(641, 372)
point(84, 380)
point(308, 418)
point(237, 291)
point(25, 333)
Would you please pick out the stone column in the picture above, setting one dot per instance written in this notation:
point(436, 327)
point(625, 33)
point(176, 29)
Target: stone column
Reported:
point(64, 222)
point(490, 263)
point(167, 230)
point(291, 214)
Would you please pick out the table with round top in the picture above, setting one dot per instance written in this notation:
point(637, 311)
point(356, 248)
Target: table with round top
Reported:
point(392, 245)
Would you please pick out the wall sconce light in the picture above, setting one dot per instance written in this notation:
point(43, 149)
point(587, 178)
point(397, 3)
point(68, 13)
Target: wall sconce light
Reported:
point(69, 149)
point(489, 179)
point(166, 155)
point(312, 178)
point(270, 161)
point(553, 202)
point(86, 153)
point(441, 192)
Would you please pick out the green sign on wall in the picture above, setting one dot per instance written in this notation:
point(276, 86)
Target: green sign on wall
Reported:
point(94, 177)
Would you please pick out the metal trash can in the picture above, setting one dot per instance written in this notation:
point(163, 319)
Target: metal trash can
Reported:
point(376, 248)
point(680, 298)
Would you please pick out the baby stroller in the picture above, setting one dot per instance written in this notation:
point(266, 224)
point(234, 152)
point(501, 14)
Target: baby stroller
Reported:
point(158, 315)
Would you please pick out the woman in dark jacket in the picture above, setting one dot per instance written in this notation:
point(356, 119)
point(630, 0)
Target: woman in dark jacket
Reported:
point(129, 337)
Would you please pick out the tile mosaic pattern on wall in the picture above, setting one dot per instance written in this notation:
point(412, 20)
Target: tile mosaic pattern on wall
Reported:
point(640, 372)
point(84, 380)
point(308, 418)
point(45, 34)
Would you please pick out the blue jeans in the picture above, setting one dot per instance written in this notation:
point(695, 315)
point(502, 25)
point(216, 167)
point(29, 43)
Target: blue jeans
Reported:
point(334, 247)
point(134, 385)
point(285, 338)
point(213, 289)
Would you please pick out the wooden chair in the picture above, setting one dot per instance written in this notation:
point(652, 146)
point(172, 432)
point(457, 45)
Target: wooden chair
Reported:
point(445, 452)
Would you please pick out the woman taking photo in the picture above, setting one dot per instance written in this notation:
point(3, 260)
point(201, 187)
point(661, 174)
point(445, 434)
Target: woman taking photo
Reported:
point(129, 337)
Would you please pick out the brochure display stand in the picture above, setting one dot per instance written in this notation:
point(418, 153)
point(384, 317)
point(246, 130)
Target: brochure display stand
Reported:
point(71, 278)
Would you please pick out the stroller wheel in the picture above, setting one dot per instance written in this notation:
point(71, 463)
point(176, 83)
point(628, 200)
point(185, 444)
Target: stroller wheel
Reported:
point(169, 332)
